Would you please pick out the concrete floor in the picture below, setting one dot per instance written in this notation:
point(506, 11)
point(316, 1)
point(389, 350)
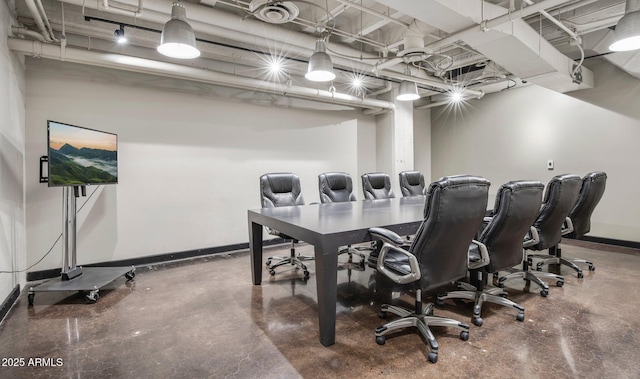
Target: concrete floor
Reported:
point(203, 318)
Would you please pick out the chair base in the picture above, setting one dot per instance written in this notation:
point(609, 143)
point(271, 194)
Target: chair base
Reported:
point(555, 257)
point(293, 259)
point(529, 276)
point(492, 295)
point(422, 322)
point(353, 251)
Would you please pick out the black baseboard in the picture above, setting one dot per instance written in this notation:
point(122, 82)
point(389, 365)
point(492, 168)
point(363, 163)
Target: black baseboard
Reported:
point(9, 301)
point(611, 241)
point(153, 259)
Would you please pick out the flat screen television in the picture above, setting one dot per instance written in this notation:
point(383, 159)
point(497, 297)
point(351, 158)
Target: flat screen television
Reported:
point(80, 156)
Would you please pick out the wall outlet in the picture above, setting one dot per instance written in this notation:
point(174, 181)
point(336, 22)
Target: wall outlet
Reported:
point(550, 164)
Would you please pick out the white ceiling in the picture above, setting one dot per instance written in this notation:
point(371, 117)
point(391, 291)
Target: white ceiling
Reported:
point(479, 45)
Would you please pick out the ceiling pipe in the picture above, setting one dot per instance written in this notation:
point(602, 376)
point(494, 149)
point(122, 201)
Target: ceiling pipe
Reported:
point(148, 66)
point(27, 32)
point(37, 18)
point(433, 105)
point(45, 20)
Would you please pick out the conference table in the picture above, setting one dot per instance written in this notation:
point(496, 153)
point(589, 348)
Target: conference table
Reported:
point(327, 227)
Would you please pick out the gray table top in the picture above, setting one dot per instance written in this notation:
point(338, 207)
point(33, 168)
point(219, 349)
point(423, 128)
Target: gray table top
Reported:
point(334, 219)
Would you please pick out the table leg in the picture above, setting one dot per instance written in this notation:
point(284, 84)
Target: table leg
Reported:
point(326, 281)
point(255, 247)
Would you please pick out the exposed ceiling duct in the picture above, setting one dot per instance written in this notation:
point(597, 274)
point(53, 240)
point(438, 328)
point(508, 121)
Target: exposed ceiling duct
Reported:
point(508, 40)
point(445, 45)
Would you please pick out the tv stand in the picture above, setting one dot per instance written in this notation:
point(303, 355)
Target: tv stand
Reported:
point(73, 277)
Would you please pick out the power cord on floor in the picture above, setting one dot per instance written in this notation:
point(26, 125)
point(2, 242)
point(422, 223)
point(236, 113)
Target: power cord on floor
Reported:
point(43, 257)
point(54, 244)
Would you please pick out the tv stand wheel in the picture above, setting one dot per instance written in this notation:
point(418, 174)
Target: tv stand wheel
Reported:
point(130, 275)
point(92, 297)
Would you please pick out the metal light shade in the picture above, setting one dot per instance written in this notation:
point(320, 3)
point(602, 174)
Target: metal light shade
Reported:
point(178, 40)
point(320, 67)
point(627, 34)
point(408, 91)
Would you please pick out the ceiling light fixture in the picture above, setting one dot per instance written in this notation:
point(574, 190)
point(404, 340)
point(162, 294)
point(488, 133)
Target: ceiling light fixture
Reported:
point(627, 33)
point(178, 40)
point(120, 37)
point(455, 96)
point(320, 67)
point(408, 89)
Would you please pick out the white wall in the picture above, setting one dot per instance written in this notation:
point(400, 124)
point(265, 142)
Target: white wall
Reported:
point(422, 142)
point(190, 156)
point(511, 135)
point(12, 149)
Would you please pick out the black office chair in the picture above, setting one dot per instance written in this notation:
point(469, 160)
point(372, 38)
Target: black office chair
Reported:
point(454, 210)
point(516, 207)
point(579, 224)
point(281, 190)
point(411, 183)
point(377, 185)
point(337, 187)
point(561, 193)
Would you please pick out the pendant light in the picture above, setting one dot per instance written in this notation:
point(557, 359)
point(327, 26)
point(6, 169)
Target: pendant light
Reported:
point(408, 89)
point(627, 33)
point(178, 40)
point(320, 67)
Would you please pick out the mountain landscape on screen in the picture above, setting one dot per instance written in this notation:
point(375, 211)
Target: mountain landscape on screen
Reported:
point(79, 156)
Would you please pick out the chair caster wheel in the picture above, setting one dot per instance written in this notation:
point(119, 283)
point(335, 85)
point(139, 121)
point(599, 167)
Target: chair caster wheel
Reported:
point(272, 272)
point(130, 275)
point(439, 302)
point(268, 263)
point(520, 317)
point(30, 298)
point(560, 283)
point(382, 314)
point(477, 321)
point(544, 293)
point(580, 275)
point(464, 335)
point(380, 340)
point(306, 273)
point(592, 268)
point(432, 357)
point(538, 267)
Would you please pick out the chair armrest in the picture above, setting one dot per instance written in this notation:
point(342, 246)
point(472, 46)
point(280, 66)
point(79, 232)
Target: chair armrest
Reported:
point(567, 227)
point(531, 238)
point(484, 256)
point(387, 236)
point(392, 241)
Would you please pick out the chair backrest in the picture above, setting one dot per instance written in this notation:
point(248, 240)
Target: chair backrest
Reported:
point(560, 196)
point(593, 185)
point(411, 183)
point(377, 185)
point(516, 208)
point(454, 210)
point(280, 190)
point(335, 187)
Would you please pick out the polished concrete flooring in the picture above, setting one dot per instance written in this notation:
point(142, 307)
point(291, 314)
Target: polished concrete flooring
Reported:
point(203, 318)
